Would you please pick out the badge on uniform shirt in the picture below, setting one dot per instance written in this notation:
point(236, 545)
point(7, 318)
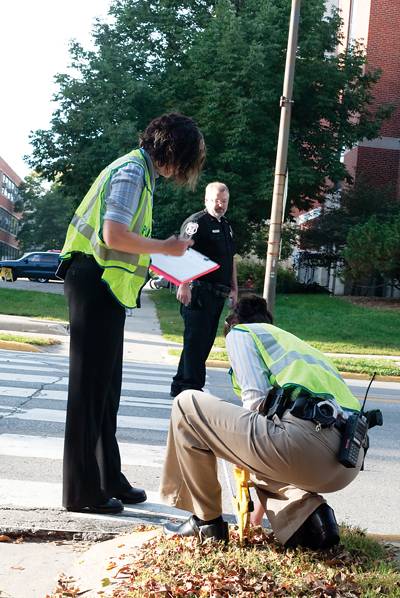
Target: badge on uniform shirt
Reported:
point(191, 228)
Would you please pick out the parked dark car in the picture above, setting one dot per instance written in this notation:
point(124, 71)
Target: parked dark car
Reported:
point(39, 266)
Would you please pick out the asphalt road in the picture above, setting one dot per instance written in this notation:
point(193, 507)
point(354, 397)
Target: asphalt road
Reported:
point(23, 284)
point(32, 412)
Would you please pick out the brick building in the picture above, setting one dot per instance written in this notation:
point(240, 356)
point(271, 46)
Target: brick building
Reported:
point(376, 24)
point(9, 183)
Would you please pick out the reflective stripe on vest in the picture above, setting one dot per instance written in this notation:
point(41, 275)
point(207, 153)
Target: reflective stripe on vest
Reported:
point(104, 253)
point(284, 355)
point(124, 273)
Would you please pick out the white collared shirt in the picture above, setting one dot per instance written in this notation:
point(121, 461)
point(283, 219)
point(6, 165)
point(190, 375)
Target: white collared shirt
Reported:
point(250, 371)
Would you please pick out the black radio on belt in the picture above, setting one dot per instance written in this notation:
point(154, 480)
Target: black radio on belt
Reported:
point(354, 437)
point(354, 434)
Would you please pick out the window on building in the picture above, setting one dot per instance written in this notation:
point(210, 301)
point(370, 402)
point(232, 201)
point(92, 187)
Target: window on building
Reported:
point(8, 222)
point(7, 252)
point(8, 188)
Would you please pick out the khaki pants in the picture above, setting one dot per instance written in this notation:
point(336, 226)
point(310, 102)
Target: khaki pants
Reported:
point(289, 460)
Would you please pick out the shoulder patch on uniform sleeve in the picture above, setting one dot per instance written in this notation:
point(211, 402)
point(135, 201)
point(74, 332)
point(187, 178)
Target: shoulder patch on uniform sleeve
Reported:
point(191, 228)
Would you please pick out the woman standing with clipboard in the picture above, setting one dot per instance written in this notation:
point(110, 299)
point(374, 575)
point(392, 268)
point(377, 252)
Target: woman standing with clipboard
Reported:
point(105, 260)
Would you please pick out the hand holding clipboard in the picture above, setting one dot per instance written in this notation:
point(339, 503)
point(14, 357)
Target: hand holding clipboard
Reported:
point(184, 268)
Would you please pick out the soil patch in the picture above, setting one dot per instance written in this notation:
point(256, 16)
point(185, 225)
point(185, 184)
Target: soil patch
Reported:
point(374, 302)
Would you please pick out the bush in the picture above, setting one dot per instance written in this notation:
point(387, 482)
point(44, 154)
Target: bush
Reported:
point(252, 272)
point(287, 283)
point(251, 275)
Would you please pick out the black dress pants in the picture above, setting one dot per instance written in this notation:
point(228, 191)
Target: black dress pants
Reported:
point(92, 464)
point(201, 319)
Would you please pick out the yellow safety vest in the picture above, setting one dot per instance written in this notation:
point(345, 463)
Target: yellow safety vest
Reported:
point(290, 362)
point(124, 273)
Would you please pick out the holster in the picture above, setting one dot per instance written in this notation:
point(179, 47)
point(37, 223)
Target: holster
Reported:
point(276, 403)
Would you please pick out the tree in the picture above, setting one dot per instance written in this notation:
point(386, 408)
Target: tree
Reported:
point(222, 63)
point(352, 206)
point(373, 250)
point(46, 215)
point(112, 93)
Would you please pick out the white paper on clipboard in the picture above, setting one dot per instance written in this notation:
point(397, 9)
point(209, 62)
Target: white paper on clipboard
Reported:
point(184, 268)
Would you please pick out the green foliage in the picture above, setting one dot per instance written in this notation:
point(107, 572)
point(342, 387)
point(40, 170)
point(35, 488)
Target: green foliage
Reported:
point(352, 206)
point(258, 239)
point(46, 215)
point(251, 275)
point(221, 62)
point(345, 236)
point(373, 249)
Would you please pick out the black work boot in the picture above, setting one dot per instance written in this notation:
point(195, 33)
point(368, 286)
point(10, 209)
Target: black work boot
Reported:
point(217, 531)
point(319, 531)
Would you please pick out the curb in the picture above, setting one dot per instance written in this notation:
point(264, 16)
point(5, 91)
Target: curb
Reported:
point(16, 346)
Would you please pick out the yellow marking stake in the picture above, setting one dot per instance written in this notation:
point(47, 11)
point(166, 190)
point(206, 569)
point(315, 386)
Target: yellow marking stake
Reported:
point(244, 505)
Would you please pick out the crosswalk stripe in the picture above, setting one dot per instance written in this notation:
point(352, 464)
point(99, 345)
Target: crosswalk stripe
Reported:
point(9, 360)
point(61, 395)
point(131, 374)
point(30, 378)
point(124, 421)
point(12, 391)
point(50, 447)
point(148, 387)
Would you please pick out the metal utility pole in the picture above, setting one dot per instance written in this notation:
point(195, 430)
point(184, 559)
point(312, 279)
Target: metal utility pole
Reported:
point(274, 238)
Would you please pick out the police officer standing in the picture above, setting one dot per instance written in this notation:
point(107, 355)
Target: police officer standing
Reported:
point(202, 300)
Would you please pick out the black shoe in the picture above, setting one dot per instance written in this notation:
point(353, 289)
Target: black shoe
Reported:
point(133, 496)
point(214, 531)
point(319, 531)
point(111, 507)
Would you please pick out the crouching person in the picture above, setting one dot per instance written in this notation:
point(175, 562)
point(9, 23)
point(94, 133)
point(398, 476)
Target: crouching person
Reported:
point(287, 434)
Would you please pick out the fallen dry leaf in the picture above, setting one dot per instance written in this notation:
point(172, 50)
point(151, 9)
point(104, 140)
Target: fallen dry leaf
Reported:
point(4, 538)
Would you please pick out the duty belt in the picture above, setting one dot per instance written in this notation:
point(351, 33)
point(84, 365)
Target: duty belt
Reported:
point(323, 411)
point(221, 290)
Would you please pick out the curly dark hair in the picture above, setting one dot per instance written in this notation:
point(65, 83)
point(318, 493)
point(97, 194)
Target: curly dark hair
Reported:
point(249, 310)
point(175, 140)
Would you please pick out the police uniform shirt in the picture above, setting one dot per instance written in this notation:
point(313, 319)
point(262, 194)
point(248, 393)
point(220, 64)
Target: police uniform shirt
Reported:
point(214, 239)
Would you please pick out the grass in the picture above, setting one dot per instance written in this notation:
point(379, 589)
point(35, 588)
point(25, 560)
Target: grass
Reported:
point(330, 324)
point(171, 322)
point(48, 306)
point(335, 325)
point(31, 340)
point(382, 367)
point(359, 567)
